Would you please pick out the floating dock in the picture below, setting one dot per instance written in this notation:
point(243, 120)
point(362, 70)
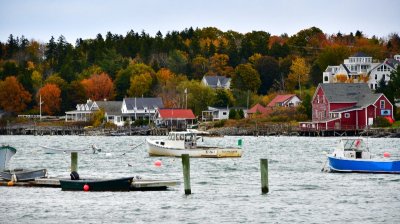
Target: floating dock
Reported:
point(137, 184)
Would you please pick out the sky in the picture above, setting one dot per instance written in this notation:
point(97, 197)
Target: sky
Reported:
point(41, 19)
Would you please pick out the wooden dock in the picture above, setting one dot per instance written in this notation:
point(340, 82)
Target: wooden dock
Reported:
point(137, 185)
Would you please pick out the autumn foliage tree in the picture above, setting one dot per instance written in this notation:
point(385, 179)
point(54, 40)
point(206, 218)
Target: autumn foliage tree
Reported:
point(51, 98)
point(99, 87)
point(13, 97)
point(299, 73)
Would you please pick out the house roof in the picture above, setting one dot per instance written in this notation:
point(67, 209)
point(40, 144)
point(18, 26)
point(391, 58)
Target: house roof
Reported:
point(213, 80)
point(391, 62)
point(280, 99)
point(176, 113)
point(257, 108)
point(358, 93)
point(110, 107)
point(360, 55)
point(345, 68)
point(140, 103)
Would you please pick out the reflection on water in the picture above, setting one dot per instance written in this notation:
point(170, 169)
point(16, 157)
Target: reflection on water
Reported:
point(223, 190)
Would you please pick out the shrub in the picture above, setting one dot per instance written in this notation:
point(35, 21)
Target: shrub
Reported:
point(381, 122)
point(219, 124)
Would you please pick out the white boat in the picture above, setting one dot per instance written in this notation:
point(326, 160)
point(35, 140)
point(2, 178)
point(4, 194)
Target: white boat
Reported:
point(50, 150)
point(6, 152)
point(185, 142)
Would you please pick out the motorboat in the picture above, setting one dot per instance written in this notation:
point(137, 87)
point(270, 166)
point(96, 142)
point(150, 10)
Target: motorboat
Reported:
point(352, 155)
point(185, 142)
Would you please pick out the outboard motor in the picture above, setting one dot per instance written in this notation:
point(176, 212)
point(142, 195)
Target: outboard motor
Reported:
point(74, 175)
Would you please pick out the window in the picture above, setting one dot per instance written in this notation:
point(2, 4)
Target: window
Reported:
point(326, 78)
point(372, 86)
point(223, 113)
point(376, 76)
point(317, 98)
point(382, 104)
point(346, 115)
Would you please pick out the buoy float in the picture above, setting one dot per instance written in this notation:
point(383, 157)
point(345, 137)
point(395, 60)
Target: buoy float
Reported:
point(386, 154)
point(157, 163)
point(85, 187)
point(10, 183)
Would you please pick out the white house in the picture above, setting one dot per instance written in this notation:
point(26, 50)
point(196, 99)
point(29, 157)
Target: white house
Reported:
point(217, 82)
point(140, 108)
point(84, 112)
point(359, 65)
point(219, 113)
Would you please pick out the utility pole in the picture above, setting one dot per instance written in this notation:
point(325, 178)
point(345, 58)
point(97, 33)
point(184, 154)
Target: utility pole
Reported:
point(186, 98)
point(299, 85)
point(40, 107)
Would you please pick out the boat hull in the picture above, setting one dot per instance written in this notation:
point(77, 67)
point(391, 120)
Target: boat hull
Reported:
point(23, 175)
point(363, 165)
point(200, 152)
point(6, 152)
point(120, 184)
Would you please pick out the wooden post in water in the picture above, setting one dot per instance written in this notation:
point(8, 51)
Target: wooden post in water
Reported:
point(264, 175)
point(186, 173)
point(74, 161)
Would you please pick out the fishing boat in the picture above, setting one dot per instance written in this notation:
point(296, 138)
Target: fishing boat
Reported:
point(352, 155)
point(119, 184)
point(6, 152)
point(20, 175)
point(185, 142)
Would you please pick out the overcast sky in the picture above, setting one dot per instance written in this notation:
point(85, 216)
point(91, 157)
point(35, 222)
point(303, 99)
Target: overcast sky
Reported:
point(41, 19)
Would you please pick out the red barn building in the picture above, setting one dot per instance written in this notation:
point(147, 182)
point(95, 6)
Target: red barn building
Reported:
point(346, 106)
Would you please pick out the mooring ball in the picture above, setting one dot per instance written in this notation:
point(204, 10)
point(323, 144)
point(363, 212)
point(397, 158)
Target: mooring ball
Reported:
point(158, 163)
point(10, 183)
point(386, 154)
point(86, 187)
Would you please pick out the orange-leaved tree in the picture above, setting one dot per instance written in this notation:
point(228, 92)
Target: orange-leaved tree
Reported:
point(51, 99)
point(99, 87)
point(13, 97)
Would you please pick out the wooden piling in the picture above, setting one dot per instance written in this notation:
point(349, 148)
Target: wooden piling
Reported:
point(74, 161)
point(186, 173)
point(264, 175)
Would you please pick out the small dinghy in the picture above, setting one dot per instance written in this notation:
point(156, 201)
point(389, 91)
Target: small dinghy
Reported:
point(76, 184)
point(20, 175)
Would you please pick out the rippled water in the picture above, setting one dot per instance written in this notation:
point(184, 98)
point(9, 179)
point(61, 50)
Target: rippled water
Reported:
point(223, 190)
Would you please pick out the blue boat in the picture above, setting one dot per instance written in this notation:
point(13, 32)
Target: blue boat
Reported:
point(351, 155)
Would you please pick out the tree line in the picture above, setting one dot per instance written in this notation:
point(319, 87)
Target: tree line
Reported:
point(137, 64)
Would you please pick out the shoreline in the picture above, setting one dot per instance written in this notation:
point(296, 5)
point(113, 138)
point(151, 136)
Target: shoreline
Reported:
point(271, 130)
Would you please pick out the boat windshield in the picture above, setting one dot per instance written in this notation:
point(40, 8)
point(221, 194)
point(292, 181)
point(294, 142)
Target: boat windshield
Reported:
point(353, 145)
point(188, 137)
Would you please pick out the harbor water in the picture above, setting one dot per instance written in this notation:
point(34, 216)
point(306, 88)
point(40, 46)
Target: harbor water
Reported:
point(223, 190)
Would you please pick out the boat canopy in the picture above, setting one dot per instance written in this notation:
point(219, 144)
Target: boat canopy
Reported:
point(352, 145)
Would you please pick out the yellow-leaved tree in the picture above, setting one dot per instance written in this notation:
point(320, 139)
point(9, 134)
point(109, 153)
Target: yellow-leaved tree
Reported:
point(140, 85)
point(299, 73)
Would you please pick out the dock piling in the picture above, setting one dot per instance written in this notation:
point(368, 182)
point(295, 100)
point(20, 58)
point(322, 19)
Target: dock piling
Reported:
point(74, 161)
point(264, 175)
point(186, 173)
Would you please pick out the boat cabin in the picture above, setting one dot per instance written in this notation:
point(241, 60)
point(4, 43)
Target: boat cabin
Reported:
point(352, 148)
point(180, 140)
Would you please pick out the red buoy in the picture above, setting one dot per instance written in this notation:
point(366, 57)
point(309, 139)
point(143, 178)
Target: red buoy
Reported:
point(86, 187)
point(386, 154)
point(157, 163)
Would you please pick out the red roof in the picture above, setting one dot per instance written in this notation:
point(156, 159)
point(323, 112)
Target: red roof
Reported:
point(280, 99)
point(258, 108)
point(176, 113)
